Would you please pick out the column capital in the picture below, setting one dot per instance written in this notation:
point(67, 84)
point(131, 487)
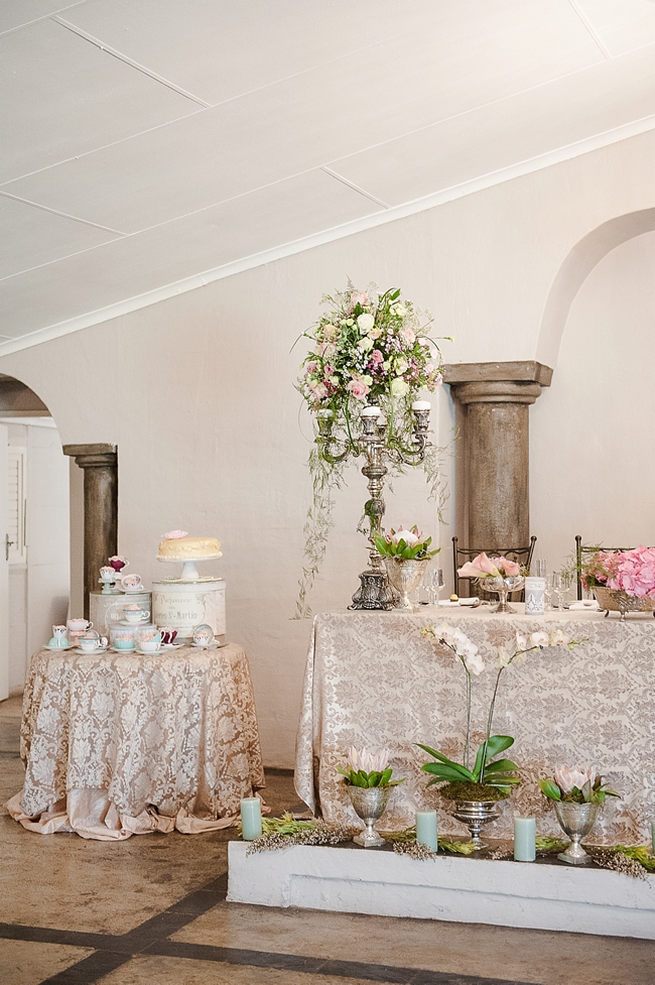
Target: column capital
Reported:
point(92, 456)
point(516, 371)
point(510, 382)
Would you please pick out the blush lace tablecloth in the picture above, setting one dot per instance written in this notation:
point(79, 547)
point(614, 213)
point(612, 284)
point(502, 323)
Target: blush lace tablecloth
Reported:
point(119, 744)
point(372, 679)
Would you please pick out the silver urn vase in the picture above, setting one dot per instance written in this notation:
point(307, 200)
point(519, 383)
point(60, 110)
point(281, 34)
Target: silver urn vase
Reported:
point(475, 814)
point(576, 820)
point(369, 804)
point(405, 576)
point(502, 587)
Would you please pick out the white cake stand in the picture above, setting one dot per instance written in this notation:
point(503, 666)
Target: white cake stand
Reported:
point(189, 569)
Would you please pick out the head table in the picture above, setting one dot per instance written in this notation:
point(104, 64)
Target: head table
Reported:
point(117, 744)
point(372, 679)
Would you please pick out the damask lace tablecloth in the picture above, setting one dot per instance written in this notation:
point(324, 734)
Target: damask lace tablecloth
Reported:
point(372, 679)
point(120, 744)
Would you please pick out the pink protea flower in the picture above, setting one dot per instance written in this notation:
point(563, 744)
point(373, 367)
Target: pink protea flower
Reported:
point(567, 777)
point(367, 760)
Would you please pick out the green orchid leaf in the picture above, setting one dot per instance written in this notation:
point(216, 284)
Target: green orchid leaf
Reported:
point(498, 743)
point(501, 764)
point(455, 773)
point(437, 755)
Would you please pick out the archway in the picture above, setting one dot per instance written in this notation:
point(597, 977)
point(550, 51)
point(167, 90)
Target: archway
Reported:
point(592, 474)
point(576, 268)
point(34, 526)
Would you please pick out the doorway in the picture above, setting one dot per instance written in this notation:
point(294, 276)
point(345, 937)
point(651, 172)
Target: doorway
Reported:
point(35, 533)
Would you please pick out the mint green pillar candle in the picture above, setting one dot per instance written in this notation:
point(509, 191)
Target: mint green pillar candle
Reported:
point(251, 818)
point(426, 829)
point(525, 833)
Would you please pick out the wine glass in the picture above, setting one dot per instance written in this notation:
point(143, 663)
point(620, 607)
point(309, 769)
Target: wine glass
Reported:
point(560, 586)
point(437, 585)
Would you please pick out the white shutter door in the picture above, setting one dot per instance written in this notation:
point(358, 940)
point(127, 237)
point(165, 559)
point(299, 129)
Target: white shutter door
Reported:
point(4, 568)
point(16, 504)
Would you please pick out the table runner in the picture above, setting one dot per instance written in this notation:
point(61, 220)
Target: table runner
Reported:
point(372, 679)
point(117, 744)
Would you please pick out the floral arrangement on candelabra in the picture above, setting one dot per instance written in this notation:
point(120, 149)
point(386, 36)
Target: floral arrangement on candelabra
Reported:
point(621, 580)
point(495, 574)
point(476, 786)
point(367, 777)
point(369, 358)
point(577, 795)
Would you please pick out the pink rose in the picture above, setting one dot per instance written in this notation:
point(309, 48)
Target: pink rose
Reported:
point(358, 389)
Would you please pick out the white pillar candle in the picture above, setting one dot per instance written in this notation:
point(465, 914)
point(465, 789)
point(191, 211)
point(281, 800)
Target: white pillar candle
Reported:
point(251, 818)
point(371, 412)
point(535, 593)
point(525, 833)
point(421, 405)
point(426, 829)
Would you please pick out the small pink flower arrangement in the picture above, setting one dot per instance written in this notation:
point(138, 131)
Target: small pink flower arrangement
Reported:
point(632, 571)
point(486, 567)
point(368, 768)
point(576, 785)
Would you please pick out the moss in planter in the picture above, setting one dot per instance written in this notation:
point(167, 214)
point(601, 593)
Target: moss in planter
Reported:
point(473, 791)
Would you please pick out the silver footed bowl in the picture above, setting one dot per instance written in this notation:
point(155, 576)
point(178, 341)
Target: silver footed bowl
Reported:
point(616, 600)
point(576, 820)
point(474, 814)
point(503, 587)
point(370, 804)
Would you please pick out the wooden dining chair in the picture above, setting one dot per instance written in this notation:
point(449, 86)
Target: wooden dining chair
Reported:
point(583, 552)
point(522, 556)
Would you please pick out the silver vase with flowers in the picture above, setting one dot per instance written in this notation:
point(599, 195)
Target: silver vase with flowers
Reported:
point(578, 794)
point(367, 778)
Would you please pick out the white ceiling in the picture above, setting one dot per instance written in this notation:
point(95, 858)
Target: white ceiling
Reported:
point(152, 145)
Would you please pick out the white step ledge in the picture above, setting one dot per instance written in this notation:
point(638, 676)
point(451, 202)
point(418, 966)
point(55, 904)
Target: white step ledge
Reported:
point(510, 894)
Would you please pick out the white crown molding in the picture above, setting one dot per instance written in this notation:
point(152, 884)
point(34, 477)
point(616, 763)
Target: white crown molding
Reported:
point(392, 214)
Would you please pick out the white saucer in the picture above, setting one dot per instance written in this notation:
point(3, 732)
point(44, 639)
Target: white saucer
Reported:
point(91, 653)
point(171, 646)
point(123, 649)
point(133, 625)
point(214, 645)
point(49, 646)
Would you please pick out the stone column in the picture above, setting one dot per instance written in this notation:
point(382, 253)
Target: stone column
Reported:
point(100, 464)
point(492, 478)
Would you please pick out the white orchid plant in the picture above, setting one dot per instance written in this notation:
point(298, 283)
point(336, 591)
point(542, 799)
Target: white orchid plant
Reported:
point(368, 769)
point(494, 777)
point(576, 785)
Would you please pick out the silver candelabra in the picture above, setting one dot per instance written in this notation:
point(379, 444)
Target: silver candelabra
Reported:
point(373, 443)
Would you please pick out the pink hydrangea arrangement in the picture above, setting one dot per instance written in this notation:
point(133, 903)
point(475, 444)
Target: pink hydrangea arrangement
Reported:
point(630, 571)
point(486, 567)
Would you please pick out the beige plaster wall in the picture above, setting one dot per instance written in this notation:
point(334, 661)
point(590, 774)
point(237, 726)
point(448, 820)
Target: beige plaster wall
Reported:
point(197, 392)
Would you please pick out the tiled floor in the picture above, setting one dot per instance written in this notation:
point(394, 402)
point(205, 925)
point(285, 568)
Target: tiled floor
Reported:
point(152, 910)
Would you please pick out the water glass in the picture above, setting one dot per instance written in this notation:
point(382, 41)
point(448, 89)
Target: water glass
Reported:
point(539, 568)
point(437, 585)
